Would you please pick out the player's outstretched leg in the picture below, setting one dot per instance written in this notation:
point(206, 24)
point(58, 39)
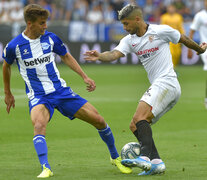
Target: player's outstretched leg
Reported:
point(155, 169)
point(138, 162)
point(143, 134)
point(108, 138)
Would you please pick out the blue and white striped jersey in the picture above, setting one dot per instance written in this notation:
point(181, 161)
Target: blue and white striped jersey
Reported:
point(36, 62)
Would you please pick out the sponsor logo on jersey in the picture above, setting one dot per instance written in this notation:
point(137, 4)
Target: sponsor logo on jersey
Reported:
point(37, 61)
point(147, 51)
point(45, 46)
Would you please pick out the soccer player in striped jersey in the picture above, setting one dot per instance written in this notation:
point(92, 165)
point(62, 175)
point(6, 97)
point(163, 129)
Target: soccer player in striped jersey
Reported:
point(33, 51)
point(150, 43)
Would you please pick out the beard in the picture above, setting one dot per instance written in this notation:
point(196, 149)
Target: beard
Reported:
point(133, 31)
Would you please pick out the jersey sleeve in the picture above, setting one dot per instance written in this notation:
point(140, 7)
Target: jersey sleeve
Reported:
point(9, 53)
point(196, 23)
point(168, 34)
point(59, 47)
point(123, 46)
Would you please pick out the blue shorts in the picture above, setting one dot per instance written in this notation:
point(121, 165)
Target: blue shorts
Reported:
point(64, 100)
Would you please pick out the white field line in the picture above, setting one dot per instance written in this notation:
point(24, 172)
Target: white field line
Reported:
point(94, 99)
point(19, 94)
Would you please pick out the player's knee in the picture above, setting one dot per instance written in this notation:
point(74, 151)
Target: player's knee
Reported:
point(39, 127)
point(100, 122)
point(132, 126)
point(147, 117)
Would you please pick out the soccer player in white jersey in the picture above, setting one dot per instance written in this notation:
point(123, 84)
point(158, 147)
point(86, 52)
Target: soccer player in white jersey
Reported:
point(151, 44)
point(200, 24)
point(33, 50)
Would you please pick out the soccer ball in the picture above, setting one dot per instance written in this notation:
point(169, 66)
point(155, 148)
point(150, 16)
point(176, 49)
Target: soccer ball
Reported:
point(130, 150)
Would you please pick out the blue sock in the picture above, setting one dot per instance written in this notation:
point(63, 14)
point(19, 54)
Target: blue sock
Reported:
point(108, 138)
point(41, 149)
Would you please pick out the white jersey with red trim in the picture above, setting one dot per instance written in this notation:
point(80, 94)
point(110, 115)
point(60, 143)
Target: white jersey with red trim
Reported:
point(152, 50)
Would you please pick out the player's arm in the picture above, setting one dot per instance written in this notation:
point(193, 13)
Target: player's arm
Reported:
point(192, 44)
point(9, 98)
point(190, 52)
point(70, 61)
point(104, 56)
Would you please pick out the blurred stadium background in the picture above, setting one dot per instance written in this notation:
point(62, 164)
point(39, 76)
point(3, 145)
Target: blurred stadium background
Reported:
point(92, 24)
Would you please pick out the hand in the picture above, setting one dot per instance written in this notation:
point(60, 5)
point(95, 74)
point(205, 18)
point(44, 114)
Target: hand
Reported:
point(9, 101)
point(190, 53)
point(91, 55)
point(203, 46)
point(91, 86)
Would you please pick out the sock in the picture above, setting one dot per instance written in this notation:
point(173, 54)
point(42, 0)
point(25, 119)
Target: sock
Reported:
point(144, 136)
point(41, 149)
point(154, 153)
point(156, 161)
point(108, 138)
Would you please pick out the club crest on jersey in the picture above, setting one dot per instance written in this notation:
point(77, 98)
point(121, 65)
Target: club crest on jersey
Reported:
point(45, 46)
point(151, 38)
point(25, 52)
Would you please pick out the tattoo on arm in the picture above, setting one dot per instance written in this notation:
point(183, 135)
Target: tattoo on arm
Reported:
point(110, 55)
point(190, 43)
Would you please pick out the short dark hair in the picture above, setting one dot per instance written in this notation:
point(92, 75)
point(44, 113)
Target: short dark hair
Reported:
point(33, 11)
point(127, 10)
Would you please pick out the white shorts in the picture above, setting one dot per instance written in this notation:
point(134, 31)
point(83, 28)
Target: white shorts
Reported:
point(204, 59)
point(162, 95)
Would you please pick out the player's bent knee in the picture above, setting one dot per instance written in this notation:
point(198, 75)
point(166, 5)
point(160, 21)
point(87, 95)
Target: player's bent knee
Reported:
point(39, 128)
point(136, 120)
point(132, 126)
point(100, 122)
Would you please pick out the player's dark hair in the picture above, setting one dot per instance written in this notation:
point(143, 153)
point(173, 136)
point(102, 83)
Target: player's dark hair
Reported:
point(33, 11)
point(129, 9)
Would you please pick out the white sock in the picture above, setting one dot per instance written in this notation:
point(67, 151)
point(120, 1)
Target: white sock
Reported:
point(156, 161)
point(145, 158)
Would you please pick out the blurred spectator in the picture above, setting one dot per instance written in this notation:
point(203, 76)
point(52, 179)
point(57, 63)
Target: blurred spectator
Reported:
point(141, 3)
point(155, 16)
point(79, 11)
point(117, 6)
point(148, 9)
point(57, 9)
point(4, 11)
point(31, 2)
point(109, 14)
point(16, 18)
point(187, 14)
point(46, 5)
point(95, 15)
point(69, 8)
point(175, 20)
point(180, 6)
point(16, 13)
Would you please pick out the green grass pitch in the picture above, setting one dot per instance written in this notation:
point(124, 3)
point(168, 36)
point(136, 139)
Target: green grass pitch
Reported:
point(75, 150)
